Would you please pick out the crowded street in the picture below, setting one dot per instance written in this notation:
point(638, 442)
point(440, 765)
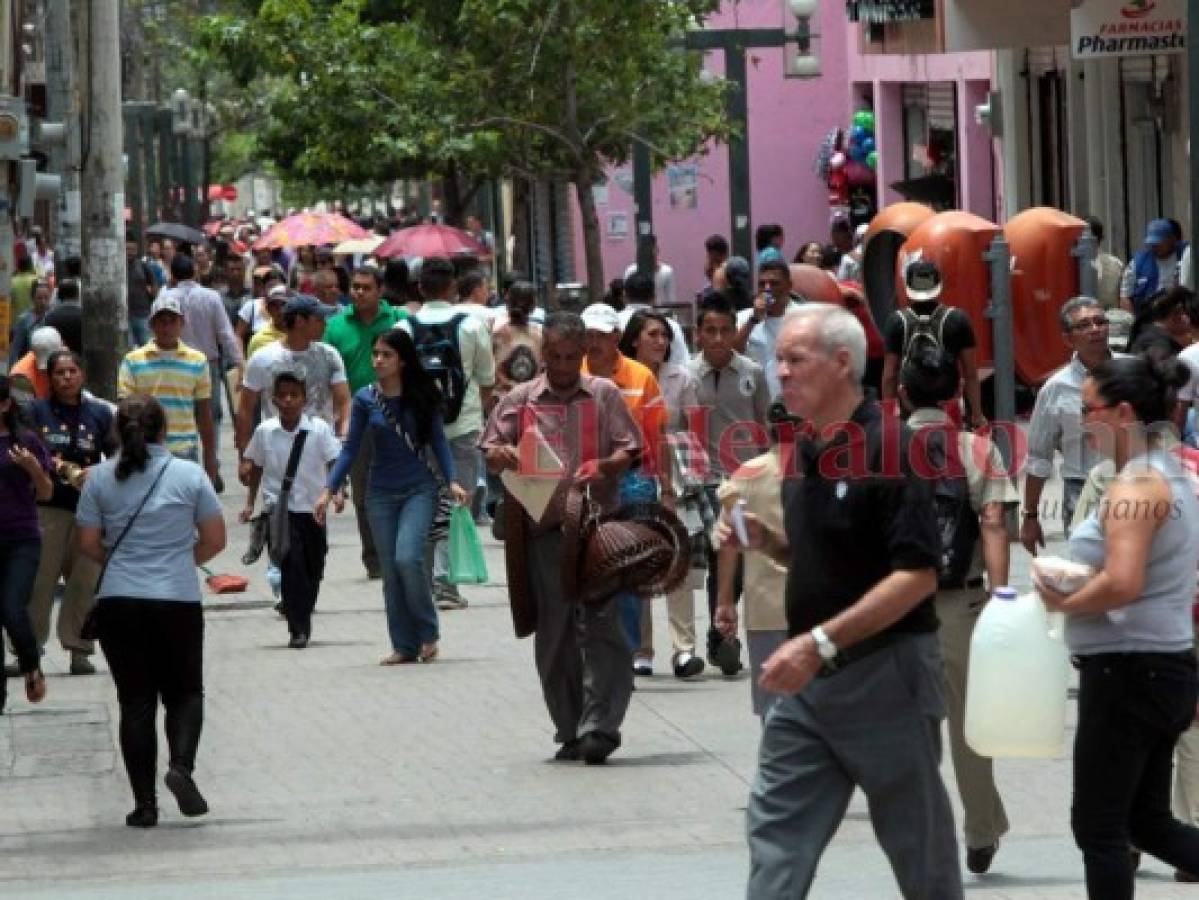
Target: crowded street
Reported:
point(331, 777)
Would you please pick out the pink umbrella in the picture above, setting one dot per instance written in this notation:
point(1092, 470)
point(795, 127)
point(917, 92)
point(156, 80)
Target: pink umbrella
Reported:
point(431, 240)
point(317, 229)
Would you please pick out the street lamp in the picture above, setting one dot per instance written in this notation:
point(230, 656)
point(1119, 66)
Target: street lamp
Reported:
point(804, 62)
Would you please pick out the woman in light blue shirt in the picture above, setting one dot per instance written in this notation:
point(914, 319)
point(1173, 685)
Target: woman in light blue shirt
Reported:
point(1130, 630)
point(150, 519)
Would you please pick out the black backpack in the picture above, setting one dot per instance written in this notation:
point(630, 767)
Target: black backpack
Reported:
point(437, 347)
point(957, 523)
point(920, 331)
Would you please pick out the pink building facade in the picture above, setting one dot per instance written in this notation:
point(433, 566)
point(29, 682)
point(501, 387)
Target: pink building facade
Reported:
point(926, 132)
point(788, 120)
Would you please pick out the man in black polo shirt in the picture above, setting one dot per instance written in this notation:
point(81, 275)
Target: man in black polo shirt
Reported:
point(860, 682)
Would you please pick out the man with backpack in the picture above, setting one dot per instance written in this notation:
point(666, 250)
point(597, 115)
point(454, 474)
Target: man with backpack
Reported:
point(455, 349)
point(926, 322)
point(971, 491)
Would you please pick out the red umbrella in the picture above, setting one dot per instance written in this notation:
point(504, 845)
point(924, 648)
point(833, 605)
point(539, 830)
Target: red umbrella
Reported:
point(431, 240)
point(317, 229)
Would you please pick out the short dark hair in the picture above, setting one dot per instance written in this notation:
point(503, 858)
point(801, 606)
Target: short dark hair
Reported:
point(766, 235)
point(436, 276)
point(522, 290)
point(289, 378)
point(566, 325)
point(372, 272)
point(182, 267)
point(716, 305)
point(930, 377)
point(469, 282)
point(463, 263)
point(776, 265)
point(395, 276)
point(68, 290)
point(717, 243)
point(1096, 227)
point(639, 288)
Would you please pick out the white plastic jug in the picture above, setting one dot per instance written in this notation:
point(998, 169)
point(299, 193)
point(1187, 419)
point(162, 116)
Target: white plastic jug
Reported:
point(1017, 682)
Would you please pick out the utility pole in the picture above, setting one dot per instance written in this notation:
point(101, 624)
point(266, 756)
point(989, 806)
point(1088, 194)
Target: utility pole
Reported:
point(62, 105)
point(103, 201)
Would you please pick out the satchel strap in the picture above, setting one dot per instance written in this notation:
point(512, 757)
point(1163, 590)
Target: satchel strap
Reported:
point(128, 525)
point(293, 462)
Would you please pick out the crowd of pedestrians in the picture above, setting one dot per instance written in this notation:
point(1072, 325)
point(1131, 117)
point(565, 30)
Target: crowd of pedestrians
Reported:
point(790, 440)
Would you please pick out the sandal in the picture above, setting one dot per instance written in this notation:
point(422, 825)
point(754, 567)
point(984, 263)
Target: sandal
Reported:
point(35, 686)
point(397, 659)
point(428, 652)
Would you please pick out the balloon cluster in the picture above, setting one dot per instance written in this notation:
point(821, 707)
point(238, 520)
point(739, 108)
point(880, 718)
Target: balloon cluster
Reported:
point(854, 160)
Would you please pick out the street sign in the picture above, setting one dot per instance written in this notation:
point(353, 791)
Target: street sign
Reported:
point(1107, 28)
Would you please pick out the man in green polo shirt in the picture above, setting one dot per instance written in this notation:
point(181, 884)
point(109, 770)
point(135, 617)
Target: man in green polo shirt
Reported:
point(352, 333)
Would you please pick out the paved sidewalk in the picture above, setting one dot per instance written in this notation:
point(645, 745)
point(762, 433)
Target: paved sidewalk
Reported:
point(331, 776)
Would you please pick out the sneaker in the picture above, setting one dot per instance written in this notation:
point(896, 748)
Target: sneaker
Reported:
point(978, 859)
point(298, 641)
point(144, 815)
point(727, 657)
point(643, 667)
point(191, 801)
point(595, 748)
point(81, 664)
point(687, 665)
point(568, 752)
point(447, 598)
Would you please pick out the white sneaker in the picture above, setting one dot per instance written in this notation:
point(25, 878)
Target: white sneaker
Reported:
point(643, 667)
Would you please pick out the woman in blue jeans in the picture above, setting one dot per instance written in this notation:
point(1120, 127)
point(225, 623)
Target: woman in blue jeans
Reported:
point(402, 409)
point(24, 479)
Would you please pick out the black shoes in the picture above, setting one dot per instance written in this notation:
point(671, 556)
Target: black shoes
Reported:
point(595, 748)
point(298, 641)
point(191, 801)
point(687, 665)
point(726, 656)
point(144, 815)
point(568, 752)
point(978, 859)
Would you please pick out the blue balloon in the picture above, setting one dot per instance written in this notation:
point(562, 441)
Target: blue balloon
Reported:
point(869, 145)
point(858, 134)
point(859, 153)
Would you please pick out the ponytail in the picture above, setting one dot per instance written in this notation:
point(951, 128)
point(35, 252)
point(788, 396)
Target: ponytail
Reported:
point(141, 422)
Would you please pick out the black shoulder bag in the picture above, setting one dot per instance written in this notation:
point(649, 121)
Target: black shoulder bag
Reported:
point(439, 530)
point(90, 630)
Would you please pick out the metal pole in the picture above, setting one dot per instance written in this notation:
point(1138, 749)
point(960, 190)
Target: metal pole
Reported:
point(7, 237)
point(1193, 107)
point(738, 113)
point(643, 207)
point(133, 150)
point(62, 105)
point(1085, 251)
point(166, 169)
point(104, 203)
point(189, 181)
point(1000, 313)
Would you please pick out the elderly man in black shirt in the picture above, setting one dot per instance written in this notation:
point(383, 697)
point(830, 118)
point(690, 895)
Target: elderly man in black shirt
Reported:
point(860, 681)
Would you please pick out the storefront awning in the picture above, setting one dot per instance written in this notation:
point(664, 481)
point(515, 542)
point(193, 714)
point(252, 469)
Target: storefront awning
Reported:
point(878, 12)
point(991, 25)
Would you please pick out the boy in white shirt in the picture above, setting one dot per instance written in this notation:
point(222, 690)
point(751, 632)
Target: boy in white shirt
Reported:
point(298, 544)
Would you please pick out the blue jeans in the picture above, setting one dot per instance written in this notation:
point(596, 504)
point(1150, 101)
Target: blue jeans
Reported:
point(18, 569)
point(399, 522)
point(635, 487)
point(139, 330)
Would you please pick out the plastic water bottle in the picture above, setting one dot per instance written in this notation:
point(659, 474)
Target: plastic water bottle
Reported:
point(1018, 678)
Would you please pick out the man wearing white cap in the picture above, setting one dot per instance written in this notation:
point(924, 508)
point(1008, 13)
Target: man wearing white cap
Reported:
point(177, 376)
point(31, 367)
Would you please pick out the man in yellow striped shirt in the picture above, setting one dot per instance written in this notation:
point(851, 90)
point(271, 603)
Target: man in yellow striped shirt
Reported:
point(177, 377)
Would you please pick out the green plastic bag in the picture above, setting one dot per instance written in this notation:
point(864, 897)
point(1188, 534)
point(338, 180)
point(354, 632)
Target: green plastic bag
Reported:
point(467, 565)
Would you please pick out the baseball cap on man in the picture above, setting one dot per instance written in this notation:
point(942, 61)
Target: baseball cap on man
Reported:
point(278, 294)
point(1158, 231)
point(923, 280)
point(166, 302)
point(304, 305)
point(43, 342)
point(601, 317)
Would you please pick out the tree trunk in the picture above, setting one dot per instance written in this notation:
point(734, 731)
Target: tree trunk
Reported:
point(592, 248)
point(521, 256)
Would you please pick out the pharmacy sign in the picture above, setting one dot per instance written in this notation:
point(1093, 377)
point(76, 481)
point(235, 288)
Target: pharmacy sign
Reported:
point(1105, 28)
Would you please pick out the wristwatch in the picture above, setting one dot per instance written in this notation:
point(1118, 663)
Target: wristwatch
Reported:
point(825, 647)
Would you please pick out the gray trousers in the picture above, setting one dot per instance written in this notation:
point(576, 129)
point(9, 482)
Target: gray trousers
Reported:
point(467, 462)
point(583, 659)
point(876, 725)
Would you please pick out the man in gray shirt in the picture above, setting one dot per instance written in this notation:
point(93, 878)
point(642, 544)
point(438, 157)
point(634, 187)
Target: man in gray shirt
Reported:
point(734, 400)
point(1056, 424)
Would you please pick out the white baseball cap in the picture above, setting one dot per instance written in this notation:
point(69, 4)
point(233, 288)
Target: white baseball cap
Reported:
point(43, 342)
point(601, 317)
